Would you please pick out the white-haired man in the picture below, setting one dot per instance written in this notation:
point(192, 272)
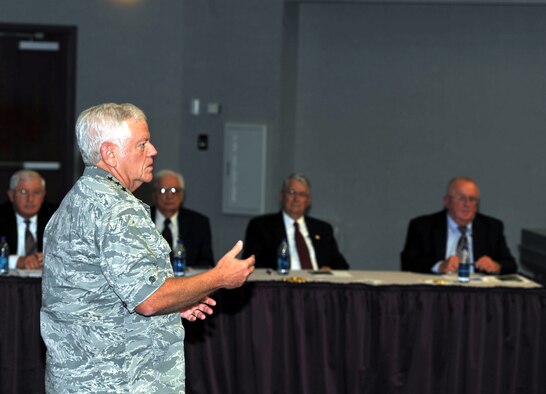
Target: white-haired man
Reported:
point(178, 223)
point(111, 307)
point(311, 241)
point(23, 219)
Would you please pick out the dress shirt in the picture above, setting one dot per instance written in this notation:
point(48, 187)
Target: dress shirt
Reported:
point(160, 219)
point(453, 235)
point(290, 233)
point(21, 229)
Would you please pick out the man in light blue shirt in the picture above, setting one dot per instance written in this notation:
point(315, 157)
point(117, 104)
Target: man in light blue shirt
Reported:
point(431, 241)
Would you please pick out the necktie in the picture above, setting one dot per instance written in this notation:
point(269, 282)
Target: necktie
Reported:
point(463, 241)
point(168, 235)
point(301, 246)
point(30, 242)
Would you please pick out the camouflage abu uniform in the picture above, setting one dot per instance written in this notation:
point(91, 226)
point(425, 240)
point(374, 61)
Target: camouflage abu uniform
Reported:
point(103, 257)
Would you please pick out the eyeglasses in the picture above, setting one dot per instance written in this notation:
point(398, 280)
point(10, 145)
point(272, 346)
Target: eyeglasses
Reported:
point(471, 200)
point(293, 193)
point(169, 190)
point(33, 193)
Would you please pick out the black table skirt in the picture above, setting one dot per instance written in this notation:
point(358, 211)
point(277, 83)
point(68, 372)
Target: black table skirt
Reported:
point(273, 337)
point(22, 352)
point(325, 338)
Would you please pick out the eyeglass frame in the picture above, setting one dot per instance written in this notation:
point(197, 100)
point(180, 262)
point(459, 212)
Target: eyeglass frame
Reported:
point(164, 191)
point(472, 200)
point(293, 193)
point(25, 193)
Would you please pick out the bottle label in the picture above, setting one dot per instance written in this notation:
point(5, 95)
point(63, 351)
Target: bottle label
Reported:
point(179, 267)
point(283, 266)
point(464, 272)
point(3, 264)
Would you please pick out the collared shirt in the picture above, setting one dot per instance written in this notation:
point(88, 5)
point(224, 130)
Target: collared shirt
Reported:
point(453, 235)
point(160, 222)
point(103, 257)
point(21, 230)
point(290, 232)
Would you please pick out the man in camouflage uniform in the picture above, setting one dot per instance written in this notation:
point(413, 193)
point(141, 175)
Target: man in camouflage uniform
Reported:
point(111, 309)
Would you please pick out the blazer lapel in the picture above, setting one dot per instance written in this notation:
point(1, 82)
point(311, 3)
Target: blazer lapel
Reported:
point(440, 236)
point(40, 232)
point(478, 235)
point(278, 228)
point(182, 225)
point(313, 233)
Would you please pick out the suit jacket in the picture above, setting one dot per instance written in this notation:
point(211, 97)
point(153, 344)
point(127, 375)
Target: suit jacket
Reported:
point(194, 231)
point(8, 224)
point(427, 238)
point(265, 233)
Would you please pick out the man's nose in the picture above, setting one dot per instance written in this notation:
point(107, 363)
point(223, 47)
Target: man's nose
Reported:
point(153, 150)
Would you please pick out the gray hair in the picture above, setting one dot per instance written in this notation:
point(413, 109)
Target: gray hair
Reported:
point(457, 179)
point(299, 177)
point(160, 174)
point(102, 123)
point(24, 175)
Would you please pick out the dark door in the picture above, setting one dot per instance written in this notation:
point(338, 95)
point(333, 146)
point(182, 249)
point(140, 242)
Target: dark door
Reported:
point(37, 90)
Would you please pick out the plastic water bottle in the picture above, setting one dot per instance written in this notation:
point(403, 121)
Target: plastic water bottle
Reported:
point(4, 255)
point(179, 259)
point(283, 258)
point(464, 265)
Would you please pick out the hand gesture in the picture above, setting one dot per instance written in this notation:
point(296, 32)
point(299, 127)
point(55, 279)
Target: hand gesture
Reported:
point(199, 311)
point(233, 271)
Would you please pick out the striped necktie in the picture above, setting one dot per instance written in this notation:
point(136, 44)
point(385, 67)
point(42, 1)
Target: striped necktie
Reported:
point(30, 242)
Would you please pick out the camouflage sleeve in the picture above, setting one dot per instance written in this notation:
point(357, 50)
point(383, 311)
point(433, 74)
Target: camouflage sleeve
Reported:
point(134, 257)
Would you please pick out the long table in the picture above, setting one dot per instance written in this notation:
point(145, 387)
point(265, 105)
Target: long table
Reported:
point(371, 332)
point(356, 332)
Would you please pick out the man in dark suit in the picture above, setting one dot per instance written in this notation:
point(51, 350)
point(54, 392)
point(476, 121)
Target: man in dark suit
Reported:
point(265, 233)
point(431, 240)
point(176, 222)
point(23, 219)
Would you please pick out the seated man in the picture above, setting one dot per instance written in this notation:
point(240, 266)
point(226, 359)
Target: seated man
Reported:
point(431, 241)
point(175, 222)
point(23, 219)
point(311, 241)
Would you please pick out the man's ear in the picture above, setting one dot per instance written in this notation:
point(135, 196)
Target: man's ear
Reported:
point(108, 153)
point(11, 195)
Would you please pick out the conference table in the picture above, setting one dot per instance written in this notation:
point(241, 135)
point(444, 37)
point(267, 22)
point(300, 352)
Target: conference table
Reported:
point(342, 332)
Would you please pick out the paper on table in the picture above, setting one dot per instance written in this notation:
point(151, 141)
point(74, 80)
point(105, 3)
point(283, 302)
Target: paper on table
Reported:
point(27, 273)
